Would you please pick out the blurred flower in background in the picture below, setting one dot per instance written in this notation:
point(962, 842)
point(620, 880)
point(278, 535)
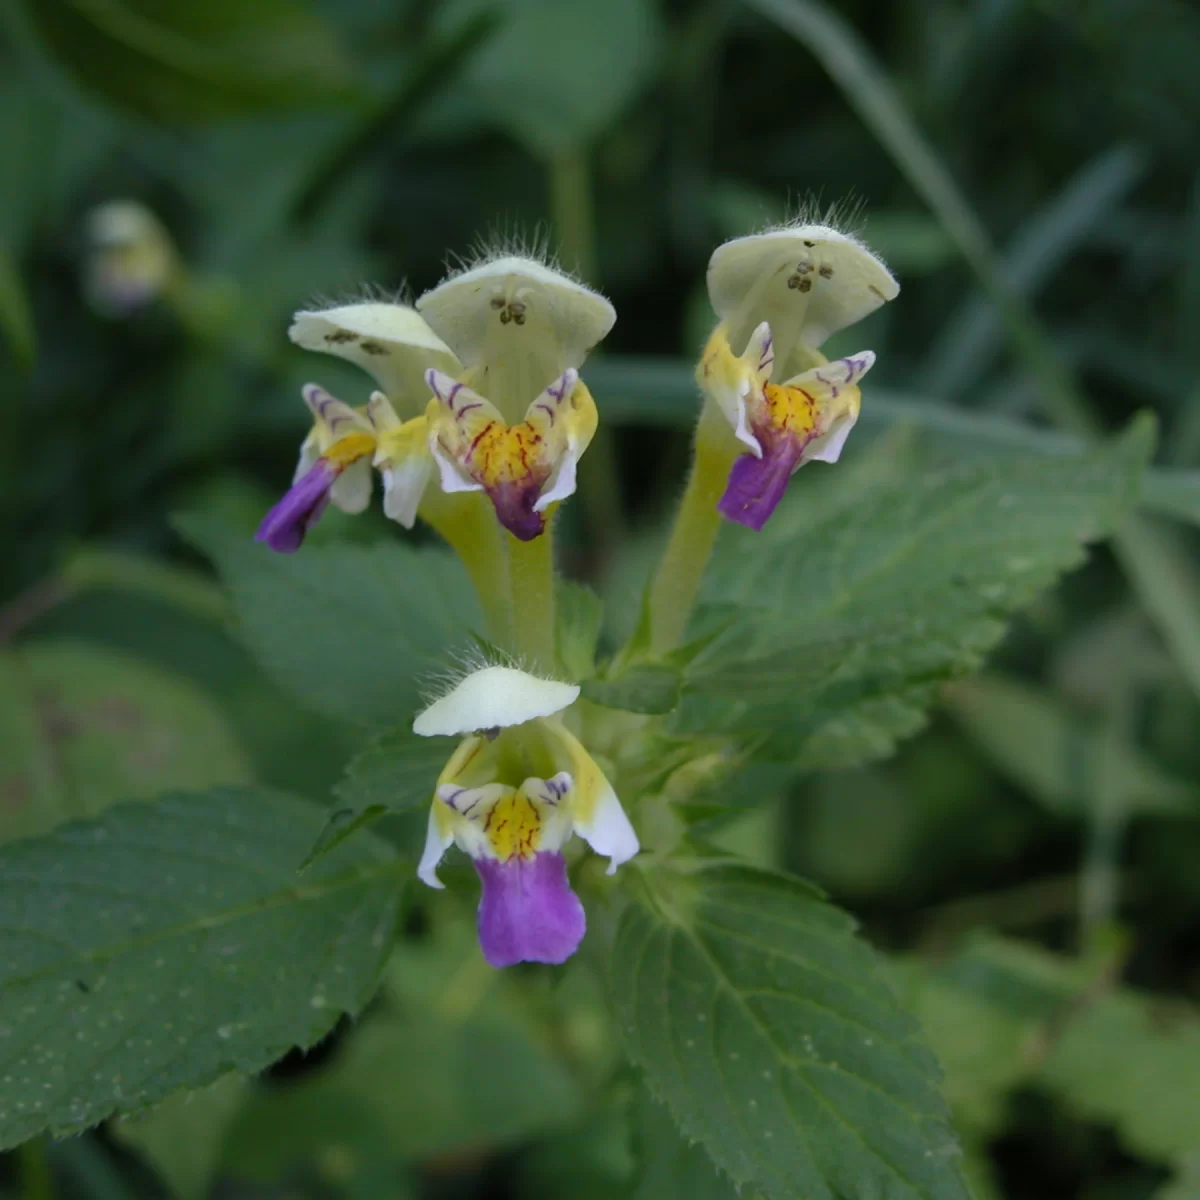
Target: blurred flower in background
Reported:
point(130, 258)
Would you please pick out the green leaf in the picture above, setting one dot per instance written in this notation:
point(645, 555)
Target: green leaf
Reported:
point(352, 632)
point(196, 60)
point(580, 614)
point(342, 824)
point(669, 1166)
point(1004, 1014)
point(643, 390)
point(487, 1076)
point(1069, 765)
point(169, 943)
point(767, 1029)
point(394, 776)
point(556, 76)
point(652, 688)
point(865, 591)
point(1129, 1060)
point(94, 568)
point(1153, 564)
point(183, 1137)
point(82, 727)
point(981, 1044)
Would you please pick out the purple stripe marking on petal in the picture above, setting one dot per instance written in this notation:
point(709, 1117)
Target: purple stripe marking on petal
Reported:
point(831, 384)
point(756, 485)
point(284, 527)
point(527, 910)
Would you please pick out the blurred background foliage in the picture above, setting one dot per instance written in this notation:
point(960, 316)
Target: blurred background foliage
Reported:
point(1029, 170)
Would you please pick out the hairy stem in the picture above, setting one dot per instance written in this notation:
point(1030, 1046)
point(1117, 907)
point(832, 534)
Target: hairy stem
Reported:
point(467, 523)
point(677, 580)
point(531, 578)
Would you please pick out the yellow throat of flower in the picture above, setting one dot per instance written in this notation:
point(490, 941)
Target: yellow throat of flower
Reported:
point(349, 449)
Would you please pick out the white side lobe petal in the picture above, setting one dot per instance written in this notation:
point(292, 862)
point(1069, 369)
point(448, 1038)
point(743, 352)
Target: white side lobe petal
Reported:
point(595, 810)
point(606, 828)
point(828, 447)
point(436, 845)
point(561, 483)
point(310, 451)
point(351, 491)
point(450, 474)
point(403, 486)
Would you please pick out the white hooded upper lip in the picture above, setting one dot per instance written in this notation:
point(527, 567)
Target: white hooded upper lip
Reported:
point(494, 698)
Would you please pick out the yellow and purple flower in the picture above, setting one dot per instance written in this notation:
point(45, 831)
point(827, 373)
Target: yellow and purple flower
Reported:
point(335, 465)
point(516, 789)
point(131, 259)
point(395, 346)
point(782, 425)
point(523, 468)
point(779, 295)
point(514, 421)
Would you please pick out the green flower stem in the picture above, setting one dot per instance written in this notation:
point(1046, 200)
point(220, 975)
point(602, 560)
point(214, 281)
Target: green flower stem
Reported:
point(33, 1166)
point(531, 578)
point(466, 521)
point(673, 593)
point(574, 219)
point(571, 206)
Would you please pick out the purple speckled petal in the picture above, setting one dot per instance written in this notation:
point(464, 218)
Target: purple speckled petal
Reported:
point(756, 485)
point(284, 527)
point(527, 912)
point(513, 502)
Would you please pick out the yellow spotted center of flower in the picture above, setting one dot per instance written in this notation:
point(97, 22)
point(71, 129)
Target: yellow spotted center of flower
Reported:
point(350, 449)
point(504, 453)
point(791, 409)
point(513, 827)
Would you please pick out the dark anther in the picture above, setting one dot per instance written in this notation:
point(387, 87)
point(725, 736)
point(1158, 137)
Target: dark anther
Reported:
point(809, 244)
point(806, 285)
point(497, 301)
point(826, 271)
point(505, 317)
point(793, 282)
point(519, 317)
